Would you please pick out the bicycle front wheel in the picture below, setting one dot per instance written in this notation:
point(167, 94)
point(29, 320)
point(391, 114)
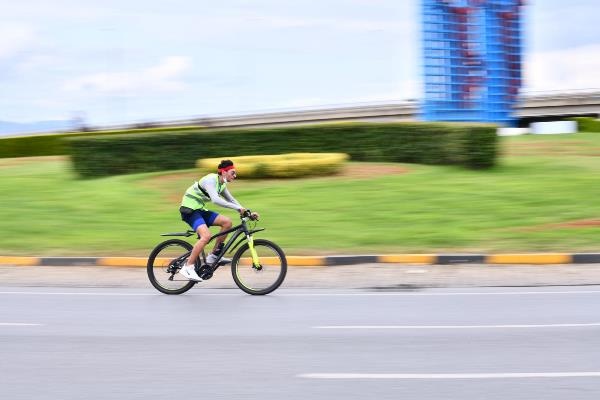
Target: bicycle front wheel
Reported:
point(164, 265)
point(263, 278)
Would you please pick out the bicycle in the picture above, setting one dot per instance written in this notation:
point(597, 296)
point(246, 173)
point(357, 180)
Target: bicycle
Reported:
point(258, 267)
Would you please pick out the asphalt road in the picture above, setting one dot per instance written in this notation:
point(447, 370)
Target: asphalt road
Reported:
point(461, 343)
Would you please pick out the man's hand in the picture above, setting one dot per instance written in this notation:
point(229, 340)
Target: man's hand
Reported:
point(250, 214)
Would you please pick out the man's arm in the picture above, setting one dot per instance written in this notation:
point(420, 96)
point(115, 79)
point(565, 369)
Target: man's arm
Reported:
point(227, 195)
point(210, 186)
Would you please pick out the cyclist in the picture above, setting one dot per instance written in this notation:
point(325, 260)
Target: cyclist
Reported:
point(213, 188)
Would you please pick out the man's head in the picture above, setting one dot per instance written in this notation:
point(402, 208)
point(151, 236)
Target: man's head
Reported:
point(227, 170)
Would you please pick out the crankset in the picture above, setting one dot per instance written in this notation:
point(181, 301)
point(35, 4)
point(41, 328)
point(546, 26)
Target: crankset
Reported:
point(205, 272)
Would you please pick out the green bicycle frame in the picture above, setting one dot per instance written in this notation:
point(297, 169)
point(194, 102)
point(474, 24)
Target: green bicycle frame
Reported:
point(237, 231)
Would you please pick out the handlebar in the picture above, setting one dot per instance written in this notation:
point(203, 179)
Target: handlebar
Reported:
point(248, 214)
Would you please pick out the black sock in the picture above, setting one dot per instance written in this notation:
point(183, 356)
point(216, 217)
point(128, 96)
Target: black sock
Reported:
point(218, 249)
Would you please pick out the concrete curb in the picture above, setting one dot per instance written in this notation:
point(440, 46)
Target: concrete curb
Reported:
point(331, 261)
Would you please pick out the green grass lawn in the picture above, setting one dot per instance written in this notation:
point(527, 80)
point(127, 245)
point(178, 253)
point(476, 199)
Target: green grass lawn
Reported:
point(543, 196)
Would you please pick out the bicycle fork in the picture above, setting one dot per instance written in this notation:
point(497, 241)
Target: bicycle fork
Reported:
point(255, 261)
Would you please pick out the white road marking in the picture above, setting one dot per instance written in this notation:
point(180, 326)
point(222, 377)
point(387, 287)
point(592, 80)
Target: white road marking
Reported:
point(17, 324)
point(594, 374)
point(82, 294)
point(282, 294)
point(455, 326)
point(375, 294)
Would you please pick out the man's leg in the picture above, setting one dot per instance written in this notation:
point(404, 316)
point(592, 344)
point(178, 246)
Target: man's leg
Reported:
point(204, 233)
point(225, 224)
point(201, 229)
point(188, 270)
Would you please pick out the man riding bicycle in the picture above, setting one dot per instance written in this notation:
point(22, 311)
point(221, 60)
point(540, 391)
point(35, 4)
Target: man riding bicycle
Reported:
point(210, 188)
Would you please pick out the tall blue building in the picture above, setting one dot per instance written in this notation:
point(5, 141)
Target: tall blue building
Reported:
point(471, 59)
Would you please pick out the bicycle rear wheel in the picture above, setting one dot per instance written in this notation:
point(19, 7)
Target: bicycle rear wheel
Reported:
point(163, 267)
point(264, 278)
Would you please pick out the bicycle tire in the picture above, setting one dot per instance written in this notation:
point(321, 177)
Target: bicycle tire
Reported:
point(153, 265)
point(259, 245)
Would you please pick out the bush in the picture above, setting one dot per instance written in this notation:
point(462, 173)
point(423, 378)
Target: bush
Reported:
point(587, 124)
point(291, 165)
point(470, 145)
point(53, 144)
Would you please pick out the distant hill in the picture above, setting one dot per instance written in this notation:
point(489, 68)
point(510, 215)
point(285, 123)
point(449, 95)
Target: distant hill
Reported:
point(17, 128)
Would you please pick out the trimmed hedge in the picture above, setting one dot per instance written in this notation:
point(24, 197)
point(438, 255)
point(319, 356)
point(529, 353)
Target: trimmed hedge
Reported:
point(54, 145)
point(470, 145)
point(587, 124)
point(290, 165)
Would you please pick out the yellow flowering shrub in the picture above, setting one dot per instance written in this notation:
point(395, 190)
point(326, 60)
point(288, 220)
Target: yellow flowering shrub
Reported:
point(292, 165)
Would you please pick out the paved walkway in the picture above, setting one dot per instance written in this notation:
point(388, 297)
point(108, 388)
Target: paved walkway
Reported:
point(383, 277)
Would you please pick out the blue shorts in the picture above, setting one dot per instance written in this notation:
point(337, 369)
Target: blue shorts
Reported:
point(199, 217)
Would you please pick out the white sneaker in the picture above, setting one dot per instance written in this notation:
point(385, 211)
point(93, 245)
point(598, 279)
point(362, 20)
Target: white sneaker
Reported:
point(211, 258)
point(188, 272)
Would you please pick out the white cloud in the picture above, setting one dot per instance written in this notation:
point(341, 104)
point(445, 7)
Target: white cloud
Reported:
point(574, 68)
point(165, 77)
point(358, 25)
point(38, 62)
point(256, 22)
point(15, 37)
point(58, 10)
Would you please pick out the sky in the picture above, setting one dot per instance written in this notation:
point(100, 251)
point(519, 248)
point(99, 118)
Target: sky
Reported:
point(126, 61)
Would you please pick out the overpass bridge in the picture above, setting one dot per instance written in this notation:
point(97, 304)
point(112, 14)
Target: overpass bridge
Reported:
point(529, 108)
point(558, 105)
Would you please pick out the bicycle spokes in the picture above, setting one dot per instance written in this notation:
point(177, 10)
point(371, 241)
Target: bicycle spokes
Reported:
point(164, 264)
point(259, 269)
